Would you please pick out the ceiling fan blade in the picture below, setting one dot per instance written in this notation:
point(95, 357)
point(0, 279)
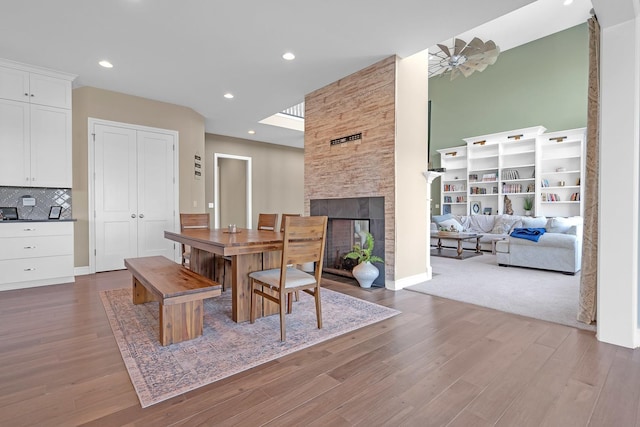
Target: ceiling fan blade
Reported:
point(445, 49)
point(476, 45)
point(459, 46)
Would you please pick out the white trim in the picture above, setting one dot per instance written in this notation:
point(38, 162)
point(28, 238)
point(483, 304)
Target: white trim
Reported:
point(216, 187)
point(396, 285)
point(92, 122)
point(37, 283)
point(37, 70)
point(81, 271)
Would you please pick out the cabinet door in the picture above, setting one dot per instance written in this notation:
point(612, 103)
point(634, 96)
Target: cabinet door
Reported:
point(14, 143)
point(50, 147)
point(14, 84)
point(45, 90)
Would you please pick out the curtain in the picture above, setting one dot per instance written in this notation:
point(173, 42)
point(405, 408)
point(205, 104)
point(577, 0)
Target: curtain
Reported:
point(589, 276)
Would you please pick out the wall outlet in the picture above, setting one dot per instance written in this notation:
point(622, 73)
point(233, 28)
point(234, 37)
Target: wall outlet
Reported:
point(28, 201)
point(195, 203)
point(210, 205)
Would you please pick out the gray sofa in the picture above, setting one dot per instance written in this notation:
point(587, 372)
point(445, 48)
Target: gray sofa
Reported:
point(558, 249)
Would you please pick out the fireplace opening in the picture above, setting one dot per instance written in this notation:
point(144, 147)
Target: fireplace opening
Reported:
point(342, 236)
point(349, 219)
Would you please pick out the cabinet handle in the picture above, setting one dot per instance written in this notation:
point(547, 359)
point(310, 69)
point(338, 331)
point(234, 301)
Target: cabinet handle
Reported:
point(32, 95)
point(141, 215)
point(29, 229)
point(30, 269)
point(133, 215)
point(26, 94)
point(29, 247)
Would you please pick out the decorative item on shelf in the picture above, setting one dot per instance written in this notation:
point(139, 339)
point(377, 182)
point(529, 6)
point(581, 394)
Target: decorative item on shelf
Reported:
point(365, 272)
point(486, 211)
point(475, 208)
point(462, 58)
point(508, 208)
point(527, 204)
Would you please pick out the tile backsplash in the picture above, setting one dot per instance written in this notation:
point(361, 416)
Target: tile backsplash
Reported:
point(45, 198)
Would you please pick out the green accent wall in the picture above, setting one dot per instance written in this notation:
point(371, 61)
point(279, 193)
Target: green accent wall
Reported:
point(543, 82)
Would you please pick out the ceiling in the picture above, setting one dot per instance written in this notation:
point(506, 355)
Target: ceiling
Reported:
point(192, 52)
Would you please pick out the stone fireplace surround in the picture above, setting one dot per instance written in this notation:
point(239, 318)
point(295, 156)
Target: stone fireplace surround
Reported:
point(357, 208)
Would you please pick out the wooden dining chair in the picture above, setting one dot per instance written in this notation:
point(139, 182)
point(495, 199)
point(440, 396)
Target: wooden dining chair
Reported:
point(189, 221)
point(267, 222)
point(284, 215)
point(303, 241)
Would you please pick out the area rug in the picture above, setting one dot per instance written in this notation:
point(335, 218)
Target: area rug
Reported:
point(545, 295)
point(225, 348)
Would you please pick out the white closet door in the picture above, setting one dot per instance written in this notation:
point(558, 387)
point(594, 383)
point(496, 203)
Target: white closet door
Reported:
point(116, 204)
point(155, 193)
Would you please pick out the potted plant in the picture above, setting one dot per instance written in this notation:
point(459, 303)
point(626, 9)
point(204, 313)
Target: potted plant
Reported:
point(365, 272)
point(527, 204)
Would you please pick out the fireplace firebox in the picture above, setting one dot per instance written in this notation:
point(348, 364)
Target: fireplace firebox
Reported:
point(349, 219)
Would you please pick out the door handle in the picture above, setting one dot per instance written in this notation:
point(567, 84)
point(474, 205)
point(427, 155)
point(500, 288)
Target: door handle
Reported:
point(141, 215)
point(133, 215)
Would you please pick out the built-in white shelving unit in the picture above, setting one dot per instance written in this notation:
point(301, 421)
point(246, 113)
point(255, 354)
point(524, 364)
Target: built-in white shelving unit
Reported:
point(546, 168)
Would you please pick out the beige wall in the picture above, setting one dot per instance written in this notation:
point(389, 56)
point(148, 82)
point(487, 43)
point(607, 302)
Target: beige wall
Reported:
point(277, 173)
point(412, 207)
point(89, 102)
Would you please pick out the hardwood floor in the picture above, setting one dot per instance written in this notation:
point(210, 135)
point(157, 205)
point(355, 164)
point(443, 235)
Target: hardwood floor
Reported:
point(440, 362)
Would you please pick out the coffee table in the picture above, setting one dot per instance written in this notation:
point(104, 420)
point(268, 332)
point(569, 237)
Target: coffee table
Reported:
point(459, 237)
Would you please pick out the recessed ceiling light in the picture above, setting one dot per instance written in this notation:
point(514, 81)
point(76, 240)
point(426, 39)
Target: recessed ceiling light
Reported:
point(289, 56)
point(106, 64)
point(251, 132)
point(228, 95)
point(567, 2)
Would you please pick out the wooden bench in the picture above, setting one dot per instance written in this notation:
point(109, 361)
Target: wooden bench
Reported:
point(179, 291)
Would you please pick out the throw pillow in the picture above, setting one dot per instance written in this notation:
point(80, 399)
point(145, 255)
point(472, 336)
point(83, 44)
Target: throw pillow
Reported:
point(504, 224)
point(451, 222)
point(439, 218)
point(534, 222)
point(559, 224)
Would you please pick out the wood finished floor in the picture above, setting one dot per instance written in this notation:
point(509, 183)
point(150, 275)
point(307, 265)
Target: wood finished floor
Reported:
point(440, 362)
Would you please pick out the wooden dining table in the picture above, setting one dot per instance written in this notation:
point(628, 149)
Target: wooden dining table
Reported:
point(250, 250)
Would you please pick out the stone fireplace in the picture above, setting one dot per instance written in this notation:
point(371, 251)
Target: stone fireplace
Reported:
point(348, 218)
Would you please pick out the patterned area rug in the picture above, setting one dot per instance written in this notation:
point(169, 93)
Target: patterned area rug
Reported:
point(225, 348)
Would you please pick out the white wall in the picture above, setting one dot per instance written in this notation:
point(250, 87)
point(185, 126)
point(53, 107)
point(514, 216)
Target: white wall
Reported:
point(619, 174)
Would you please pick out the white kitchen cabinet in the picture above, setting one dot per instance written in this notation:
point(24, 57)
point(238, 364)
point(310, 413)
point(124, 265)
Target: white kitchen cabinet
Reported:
point(18, 84)
point(35, 131)
point(35, 253)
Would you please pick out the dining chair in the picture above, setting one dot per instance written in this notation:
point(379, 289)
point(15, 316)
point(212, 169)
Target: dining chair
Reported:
point(190, 221)
point(303, 241)
point(267, 221)
point(284, 215)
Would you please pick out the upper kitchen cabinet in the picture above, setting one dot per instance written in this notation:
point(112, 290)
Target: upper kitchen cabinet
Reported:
point(35, 126)
point(35, 88)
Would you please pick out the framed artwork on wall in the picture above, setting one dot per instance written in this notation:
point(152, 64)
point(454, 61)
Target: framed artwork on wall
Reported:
point(475, 208)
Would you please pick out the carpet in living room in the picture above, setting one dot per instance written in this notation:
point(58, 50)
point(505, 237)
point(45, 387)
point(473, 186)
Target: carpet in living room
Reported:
point(225, 348)
point(545, 295)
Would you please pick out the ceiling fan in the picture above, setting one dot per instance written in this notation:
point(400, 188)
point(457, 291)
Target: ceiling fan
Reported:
point(463, 58)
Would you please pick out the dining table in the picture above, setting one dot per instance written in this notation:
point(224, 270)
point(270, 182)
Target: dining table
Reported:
point(249, 250)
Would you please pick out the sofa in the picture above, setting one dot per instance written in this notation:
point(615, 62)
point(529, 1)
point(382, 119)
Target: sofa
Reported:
point(558, 249)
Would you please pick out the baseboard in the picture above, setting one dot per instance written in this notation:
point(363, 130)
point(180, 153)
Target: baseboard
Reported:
point(396, 285)
point(81, 271)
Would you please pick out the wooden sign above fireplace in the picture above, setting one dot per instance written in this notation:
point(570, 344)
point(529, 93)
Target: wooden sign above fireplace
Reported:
point(354, 137)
